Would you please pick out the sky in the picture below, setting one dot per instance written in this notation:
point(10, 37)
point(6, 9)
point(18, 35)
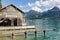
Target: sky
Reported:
point(37, 5)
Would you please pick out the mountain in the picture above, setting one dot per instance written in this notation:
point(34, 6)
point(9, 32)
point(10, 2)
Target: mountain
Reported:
point(52, 13)
point(55, 9)
point(32, 14)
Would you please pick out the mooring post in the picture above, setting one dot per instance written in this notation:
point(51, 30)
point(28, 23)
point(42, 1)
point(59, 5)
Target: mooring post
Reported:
point(44, 33)
point(12, 36)
point(35, 33)
point(25, 34)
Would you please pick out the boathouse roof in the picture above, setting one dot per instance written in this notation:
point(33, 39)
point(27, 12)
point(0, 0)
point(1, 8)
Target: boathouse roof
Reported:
point(14, 7)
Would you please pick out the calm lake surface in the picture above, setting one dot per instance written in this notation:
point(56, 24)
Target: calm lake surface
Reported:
point(52, 27)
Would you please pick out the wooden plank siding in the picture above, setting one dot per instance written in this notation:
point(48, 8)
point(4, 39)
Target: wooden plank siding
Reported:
point(12, 12)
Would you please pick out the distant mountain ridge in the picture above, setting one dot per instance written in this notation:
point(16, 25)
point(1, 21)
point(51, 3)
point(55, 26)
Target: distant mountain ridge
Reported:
point(52, 13)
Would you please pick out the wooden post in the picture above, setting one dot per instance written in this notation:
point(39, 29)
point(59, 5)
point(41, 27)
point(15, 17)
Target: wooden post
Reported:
point(44, 33)
point(35, 33)
point(25, 34)
point(12, 36)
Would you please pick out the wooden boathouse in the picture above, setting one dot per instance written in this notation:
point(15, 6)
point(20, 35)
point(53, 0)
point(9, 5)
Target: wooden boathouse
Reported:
point(11, 16)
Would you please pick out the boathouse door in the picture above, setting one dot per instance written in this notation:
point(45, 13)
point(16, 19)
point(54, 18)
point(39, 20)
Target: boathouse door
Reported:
point(15, 21)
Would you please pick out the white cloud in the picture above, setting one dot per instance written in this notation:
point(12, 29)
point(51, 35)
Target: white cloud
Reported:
point(37, 3)
point(57, 1)
point(20, 6)
point(30, 4)
point(58, 6)
point(47, 4)
point(36, 9)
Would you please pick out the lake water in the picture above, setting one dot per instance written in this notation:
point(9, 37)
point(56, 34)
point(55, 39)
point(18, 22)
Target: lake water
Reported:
point(52, 27)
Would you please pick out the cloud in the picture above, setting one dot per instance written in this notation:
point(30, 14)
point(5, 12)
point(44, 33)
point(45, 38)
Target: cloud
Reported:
point(30, 4)
point(58, 6)
point(44, 5)
point(37, 3)
point(35, 6)
point(36, 9)
point(21, 6)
